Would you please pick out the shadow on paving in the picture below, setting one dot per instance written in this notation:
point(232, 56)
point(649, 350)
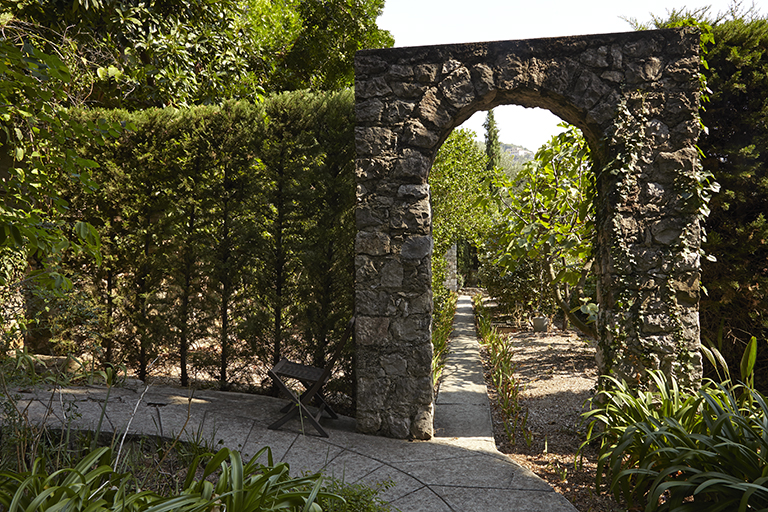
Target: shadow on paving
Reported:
point(460, 472)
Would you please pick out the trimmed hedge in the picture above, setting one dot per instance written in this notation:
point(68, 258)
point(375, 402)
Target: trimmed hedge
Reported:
point(227, 234)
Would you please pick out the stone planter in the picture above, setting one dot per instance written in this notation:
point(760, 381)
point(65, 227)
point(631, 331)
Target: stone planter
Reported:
point(540, 324)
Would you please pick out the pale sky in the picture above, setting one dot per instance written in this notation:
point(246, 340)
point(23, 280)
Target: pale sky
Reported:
point(428, 22)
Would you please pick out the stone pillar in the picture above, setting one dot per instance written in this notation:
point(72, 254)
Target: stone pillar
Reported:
point(648, 240)
point(393, 289)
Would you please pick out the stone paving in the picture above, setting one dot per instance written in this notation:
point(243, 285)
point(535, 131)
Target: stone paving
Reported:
point(459, 470)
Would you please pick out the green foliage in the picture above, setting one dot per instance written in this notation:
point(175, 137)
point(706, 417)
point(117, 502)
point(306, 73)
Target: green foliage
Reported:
point(502, 369)
point(37, 160)
point(132, 54)
point(457, 184)
point(736, 306)
point(548, 219)
point(65, 468)
point(735, 279)
point(355, 497)
point(227, 234)
point(306, 156)
point(320, 54)
point(676, 450)
point(492, 146)
point(226, 484)
point(24, 441)
point(327, 250)
point(520, 290)
point(135, 55)
point(442, 327)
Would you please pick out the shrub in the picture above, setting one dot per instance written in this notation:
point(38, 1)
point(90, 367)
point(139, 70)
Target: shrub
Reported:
point(678, 450)
point(519, 291)
point(502, 369)
point(226, 484)
point(442, 327)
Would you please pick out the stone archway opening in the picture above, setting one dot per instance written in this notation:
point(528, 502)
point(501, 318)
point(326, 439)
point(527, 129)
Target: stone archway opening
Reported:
point(635, 98)
point(539, 195)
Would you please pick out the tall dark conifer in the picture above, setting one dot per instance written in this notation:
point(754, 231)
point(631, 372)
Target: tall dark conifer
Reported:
point(492, 145)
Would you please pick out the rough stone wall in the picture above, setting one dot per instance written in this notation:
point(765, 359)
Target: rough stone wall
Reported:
point(631, 94)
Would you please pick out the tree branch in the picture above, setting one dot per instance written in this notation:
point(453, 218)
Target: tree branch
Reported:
point(575, 320)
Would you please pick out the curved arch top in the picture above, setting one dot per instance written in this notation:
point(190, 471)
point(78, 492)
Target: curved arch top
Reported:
point(407, 102)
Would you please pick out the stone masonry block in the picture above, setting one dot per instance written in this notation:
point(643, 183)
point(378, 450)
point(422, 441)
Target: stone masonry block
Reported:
point(416, 134)
point(432, 110)
point(371, 330)
point(412, 166)
point(373, 141)
point(458, 88)
point(372, 243)
point(416, 247)
point(372, 88)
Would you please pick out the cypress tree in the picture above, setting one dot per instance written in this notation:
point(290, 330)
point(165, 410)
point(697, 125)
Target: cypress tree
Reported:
point(492, 145)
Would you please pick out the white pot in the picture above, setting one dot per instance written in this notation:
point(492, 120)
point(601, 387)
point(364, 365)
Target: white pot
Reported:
point(540, 323)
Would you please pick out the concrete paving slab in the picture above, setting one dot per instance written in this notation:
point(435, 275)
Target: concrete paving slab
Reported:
point(503, 500)
point(277, 441)
point(485, 445)
point(461, 472)
point(404, 484)
point(423, 500)
point(351, 467)
point(462, 420)
point(212, 430)
point(478, 471)
point(462, 408)
point(306, 455)
point(390, 451)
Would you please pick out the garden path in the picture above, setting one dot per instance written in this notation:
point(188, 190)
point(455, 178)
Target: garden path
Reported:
point(459, 470)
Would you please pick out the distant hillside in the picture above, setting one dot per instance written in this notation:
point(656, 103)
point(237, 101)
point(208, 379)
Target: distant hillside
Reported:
point(520, 153)
point(512, 156)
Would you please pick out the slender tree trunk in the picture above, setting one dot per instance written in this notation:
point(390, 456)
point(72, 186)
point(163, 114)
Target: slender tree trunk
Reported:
point(577, 322)
point(225, 298)
point(325, 303)
point(225, 291)
point(109, 342)
point(142, 306)
point(186, 291)
point(142, 296)
point(567, 300)
point(279, 270)
point(37, 335)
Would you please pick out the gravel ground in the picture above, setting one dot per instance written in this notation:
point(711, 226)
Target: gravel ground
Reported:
point(558, 375)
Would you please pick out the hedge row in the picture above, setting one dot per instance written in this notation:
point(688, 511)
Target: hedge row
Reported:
point(227, 235)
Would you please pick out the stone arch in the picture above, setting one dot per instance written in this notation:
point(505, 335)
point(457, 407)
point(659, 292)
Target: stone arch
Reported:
point(636, 91)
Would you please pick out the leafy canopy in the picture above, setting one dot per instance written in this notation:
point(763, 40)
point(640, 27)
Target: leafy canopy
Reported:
point(37, 156)
point(160, 53)
point(548, 215)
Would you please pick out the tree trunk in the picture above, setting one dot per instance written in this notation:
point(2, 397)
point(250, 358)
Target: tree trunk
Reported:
point(577, 322)
point(225, 291)
point(186, 291)
point(109, 342)
point(141, 303)
point(279, 273)
point(37, 335)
